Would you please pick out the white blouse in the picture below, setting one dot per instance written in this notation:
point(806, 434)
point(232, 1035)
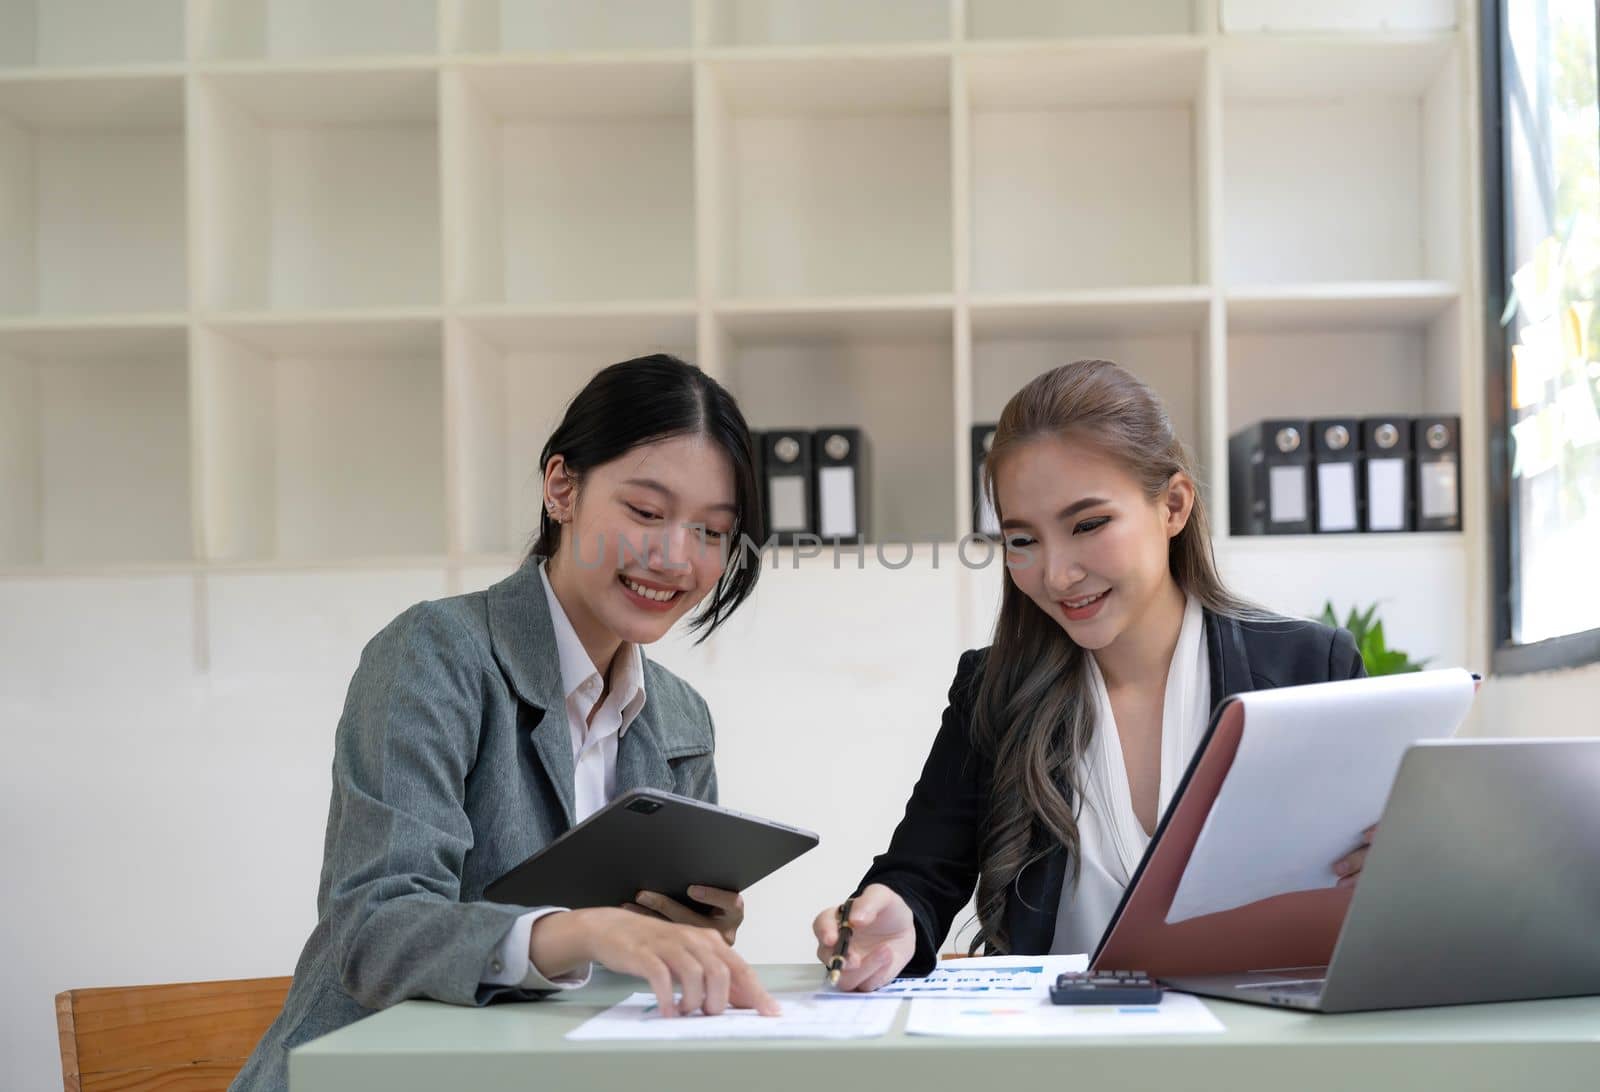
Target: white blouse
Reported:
point(1111, 839)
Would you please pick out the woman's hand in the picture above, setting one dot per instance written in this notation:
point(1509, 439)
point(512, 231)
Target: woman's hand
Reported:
point(883, 938)
point(1349, 866)
point(726, 916)
point(711, 976)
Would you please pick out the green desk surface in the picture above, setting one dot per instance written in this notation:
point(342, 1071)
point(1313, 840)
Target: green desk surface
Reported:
point(1522, 1046)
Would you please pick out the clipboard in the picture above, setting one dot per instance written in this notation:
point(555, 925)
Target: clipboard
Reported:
point(1296, 929)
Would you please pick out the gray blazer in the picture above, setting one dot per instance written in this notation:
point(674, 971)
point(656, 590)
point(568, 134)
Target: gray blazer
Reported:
point(452, 763)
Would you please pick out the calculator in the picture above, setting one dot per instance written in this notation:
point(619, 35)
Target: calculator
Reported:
point(1105, 988)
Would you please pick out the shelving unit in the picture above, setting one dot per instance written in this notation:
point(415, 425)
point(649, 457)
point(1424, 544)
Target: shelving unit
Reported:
point(370, 253)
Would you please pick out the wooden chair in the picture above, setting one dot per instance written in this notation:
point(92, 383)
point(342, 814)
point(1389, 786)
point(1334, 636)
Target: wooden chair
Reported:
point(193, 1036)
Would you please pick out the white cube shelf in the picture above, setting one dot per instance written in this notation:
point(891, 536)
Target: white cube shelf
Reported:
point(92, 196)
point(90, 33)
point(94, 446)
point(510, 380)
point(831, 177)
point(1084, 168)
point(571, 182)
point(1082, 18)
point(1163, 342)
point(825, 22)
point(1337, 359)
point(887, 370)
point(320, 440)
point(288, 30)
point(562, 26)
point(368, 250)
point(317, 190)
point(1342, 160)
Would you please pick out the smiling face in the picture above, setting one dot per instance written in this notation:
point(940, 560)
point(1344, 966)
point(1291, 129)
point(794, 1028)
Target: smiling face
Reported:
point(1083, 539)
point(643, 538)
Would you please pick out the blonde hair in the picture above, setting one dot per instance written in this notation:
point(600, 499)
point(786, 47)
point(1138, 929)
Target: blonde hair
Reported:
point(1032, 714)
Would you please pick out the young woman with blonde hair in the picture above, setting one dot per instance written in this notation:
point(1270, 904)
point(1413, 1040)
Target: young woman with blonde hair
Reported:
point(1065, 739)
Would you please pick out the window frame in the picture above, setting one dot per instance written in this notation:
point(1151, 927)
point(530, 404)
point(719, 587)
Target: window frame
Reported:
point(1506, 656)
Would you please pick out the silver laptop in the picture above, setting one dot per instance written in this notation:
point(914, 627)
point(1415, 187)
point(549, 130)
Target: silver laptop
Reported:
point(1483, 884)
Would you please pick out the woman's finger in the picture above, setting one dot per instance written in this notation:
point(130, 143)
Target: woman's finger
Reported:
point(691, 978)
point(882, 972)
point(729, 902)
point(670, 909)
point(745, 989)
point(635, 908)
point(1348, 865)
point(859, 966)
point(656, 972)
point(719, 983)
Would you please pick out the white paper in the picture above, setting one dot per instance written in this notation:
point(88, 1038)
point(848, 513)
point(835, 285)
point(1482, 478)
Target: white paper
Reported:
point(788, 496)
point(1386, 494)
point(1313, 770)
point(805, 1016)
point(1438, 481)
point(1336, 496)
point(837, 486)
point(1286, 488)
point(1177, 1014)
point(987, 977)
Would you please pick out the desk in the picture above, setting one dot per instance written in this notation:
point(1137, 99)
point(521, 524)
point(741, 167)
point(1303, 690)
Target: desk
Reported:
point(423, 1045)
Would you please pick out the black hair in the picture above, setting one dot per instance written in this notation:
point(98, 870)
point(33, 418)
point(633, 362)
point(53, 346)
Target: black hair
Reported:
point(654, 398)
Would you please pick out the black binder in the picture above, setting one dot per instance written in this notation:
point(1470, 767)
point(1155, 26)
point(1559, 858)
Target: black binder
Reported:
point(840, 457)
point(1269, 478)
point(984, 520)
point(1436, 448)
point(1386, 453)
point(787, 483)
point(1336, 457)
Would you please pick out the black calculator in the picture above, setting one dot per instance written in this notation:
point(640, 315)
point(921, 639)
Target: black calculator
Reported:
point(1105, 988)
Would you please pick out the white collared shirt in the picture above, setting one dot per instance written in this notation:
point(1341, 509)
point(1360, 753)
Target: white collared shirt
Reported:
point(1111, 839)
point(595, 734)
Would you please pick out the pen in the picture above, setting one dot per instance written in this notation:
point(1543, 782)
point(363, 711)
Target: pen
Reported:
point(836, 964)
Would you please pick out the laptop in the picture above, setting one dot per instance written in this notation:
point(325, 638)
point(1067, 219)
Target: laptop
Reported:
point(1483, 884)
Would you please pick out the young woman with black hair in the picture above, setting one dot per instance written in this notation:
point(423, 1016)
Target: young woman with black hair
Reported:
point(1065, 739)
point(479, 728)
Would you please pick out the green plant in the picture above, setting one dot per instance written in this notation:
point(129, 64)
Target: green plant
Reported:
point(1367, 629)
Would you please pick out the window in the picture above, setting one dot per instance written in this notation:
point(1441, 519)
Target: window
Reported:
point(1543, 198)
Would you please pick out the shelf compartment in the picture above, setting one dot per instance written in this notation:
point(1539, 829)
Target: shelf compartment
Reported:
point(561, 26)
point(91, 33)
point(571, 182)
point(510, 379)
point(889, 371)
point(830, 176)
point(317, 190)
point(1081, 18)
point(825, 22)
point(1045, 217)
point(320, 441)
point(1162, 344)
point(290, 30)
point(1337, 361)
point(94, 446)
point(92, 196)
point(1351, 16)
point(1342, 160)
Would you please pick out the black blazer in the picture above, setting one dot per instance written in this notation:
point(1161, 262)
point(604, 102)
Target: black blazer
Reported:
point(932, 860)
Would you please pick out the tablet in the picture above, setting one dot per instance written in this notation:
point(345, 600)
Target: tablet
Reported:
point(650, 840)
